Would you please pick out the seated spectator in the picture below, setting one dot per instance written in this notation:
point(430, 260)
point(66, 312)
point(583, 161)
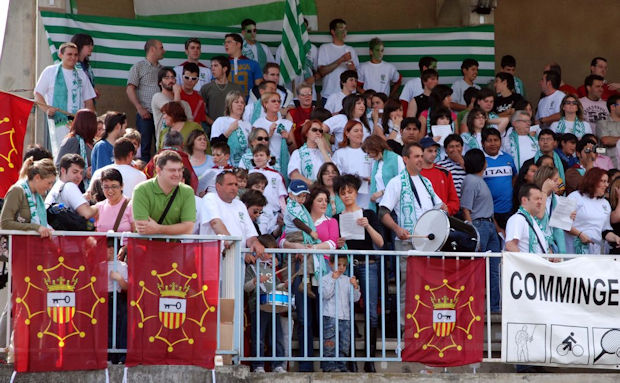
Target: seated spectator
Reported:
point(254, 109)
point(306, 161)
point(278, 128)
point(566, 150)
point(392, 116)
point(255, 202)
point(523, 231)
point(385, 165)
point(221, 162)
point(476, 121)
point(353, 108)
point(115, 212)
point(440, 178)
point(231, 129)
point(301, 113)
point(410, 131)
point(197, 146)
point(571, 120)
point(348, 84)
point(586, 153)
point(173, 141)
point(375, 103)
point(80, 140)
point(594, 107)
point(602, 161)
point(441, 96)
point(564, 87)
point(175, 120)
point(518, 141)
point(454, 161)
point(66, 190)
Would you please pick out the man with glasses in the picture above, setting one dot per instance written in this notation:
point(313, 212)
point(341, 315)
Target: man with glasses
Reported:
point(252, 49)
point(193, 51)
point(609, 130)
point(124, 152)
point(169, 91)
point(151, 197)
point(518, 141)
point(301, 112)
point(189, 94)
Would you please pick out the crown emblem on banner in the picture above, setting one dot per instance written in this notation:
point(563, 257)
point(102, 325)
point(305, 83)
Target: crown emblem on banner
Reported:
point(60, 284)
point(444, 303)
point(173, 290)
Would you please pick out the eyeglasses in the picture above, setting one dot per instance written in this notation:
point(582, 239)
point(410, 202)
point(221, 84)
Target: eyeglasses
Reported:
point(261, 138)
point(190, 78)
point(112, 187)
point(316, 130)
point(305, 94)
point(571, 103)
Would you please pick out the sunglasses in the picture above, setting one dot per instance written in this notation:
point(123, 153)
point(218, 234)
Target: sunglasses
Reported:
point(190, 78)
point(316, 130)
point(262, 138)
point(571, 103)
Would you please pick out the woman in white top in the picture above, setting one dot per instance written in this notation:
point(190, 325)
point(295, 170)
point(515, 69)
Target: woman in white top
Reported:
point(591, 224)
point(306, 161)
point(231, 128)
point(278, 129)
point(571, 121)
point(390, 122)
point(196, 146)
point(476, 121)
point(351, 159)
point(385, 165)
point(353, 108)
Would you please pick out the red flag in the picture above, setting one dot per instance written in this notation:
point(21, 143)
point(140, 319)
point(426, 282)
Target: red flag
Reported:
point(59, 303)
point(444, 321)
point(173, 297)
point(14, 112)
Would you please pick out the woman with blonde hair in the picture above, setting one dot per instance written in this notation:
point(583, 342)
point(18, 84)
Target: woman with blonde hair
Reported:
point(24, 203)
point(232, 128)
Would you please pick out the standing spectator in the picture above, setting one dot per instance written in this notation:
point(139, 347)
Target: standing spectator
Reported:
point(271, 72)
point(385, 165)
point(103, 152)
point(301, 112)
point(193, 51)
point(508, 65)
point(549, 106)
point(254, 109)
point(170, 91)
point(214, 93)
point(252, 49)
point(173, 141)
point(440, 178)
point(377, 74)
point(24, 207)
point(142, 84)
point(598, 66)
point(306, 161)
point(413, 87)
point(335, 58)
point(196, 146)
point(190, 94)
point(454, 161)
point(609, 130)
point(523, 231)
point(124, 152)
point(572, 118)
point(430, 79)
point(175, 119)
point(594, 107)
point(441, 97)
point(80, 140)
point(243, 71)
point(66, 190)
point(564, 87)
point(348, 84)
point(62, 86)
point(85, 45)
point(116, 207)
point(548, 180)
point(506, 96)
point(469, 68)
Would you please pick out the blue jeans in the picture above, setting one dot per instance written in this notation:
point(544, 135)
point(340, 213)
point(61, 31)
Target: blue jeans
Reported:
point(146, 127)
point(265, 337)
point(305, 323)
point(371, 297)
point(489, 241)
point(329, 342)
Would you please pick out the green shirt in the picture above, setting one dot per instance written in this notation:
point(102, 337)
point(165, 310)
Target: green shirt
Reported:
point(150, 201)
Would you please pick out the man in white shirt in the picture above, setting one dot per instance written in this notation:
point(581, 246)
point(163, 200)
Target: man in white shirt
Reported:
point(193, 51)
point(66, 190)
point(335, 58)
point(549, 106)
point(413, 87)
point(523, 234)
point(348, 84)
point(594, 108)
point(252, 49)
point(518, 142)
point(377, 74)
point(469, 68)
point(409, 195)
point(124, 152)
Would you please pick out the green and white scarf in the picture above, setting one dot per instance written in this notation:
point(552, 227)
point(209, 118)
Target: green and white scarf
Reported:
point(307, 166)
point(282, 162)
point(557, 162)
point(299, 211)
point(337, 202)
point(82, 144)
point(61, 93)
point(247, 52)
point(36, 204)
point(256, 111)
point(580, 247)
point(407, 214)
point(470, 140)
point(247, 158)
point(532, 237)
point(238, 144)
point(389, 171)
point(513, 143)
point(579, 128)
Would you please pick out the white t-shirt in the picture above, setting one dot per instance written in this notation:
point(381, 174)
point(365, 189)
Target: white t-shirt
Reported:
point(209, 178)
point(204, 77)
point(412, 88)
point(379, 174)
point(528, 147)
point(248, 112)
point(71, 196)
point(592, 218)
point(45, 86)
point(336, 128)
point(328, 53)
point(275, 140)
point(594, 111)
point(569, 127)
point(313, 56)
point(234, 215)
point(355, 161)
point(549, 105)
point(274, 189)
point(121, 267)
point(458, 88)
point(131, 177)
point(334, 102)
point(378, 76)
point(253, 47)
point(221, 125)
point(294, 163)
point(391, 198)
point(518, 228)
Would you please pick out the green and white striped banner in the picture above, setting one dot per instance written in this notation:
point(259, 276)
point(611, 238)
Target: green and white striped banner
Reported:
point(119, 43)
point(295, 42)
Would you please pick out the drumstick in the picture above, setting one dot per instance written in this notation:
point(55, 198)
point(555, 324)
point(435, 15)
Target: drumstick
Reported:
point(431, 236)
point(281, 270)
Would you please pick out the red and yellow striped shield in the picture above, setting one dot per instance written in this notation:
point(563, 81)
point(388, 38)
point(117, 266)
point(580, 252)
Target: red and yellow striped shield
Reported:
point(171, 320)
point(61, 306)
point(172, 312)
point(61, 315)
point(444, 322)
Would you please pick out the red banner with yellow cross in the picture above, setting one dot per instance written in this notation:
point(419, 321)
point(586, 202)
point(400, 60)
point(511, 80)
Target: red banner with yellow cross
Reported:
point(173, 297)
point(60, 309)
point(444, 320)
point(14, 112)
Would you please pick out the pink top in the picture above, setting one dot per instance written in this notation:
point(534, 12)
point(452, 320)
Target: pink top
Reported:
point(328, 231)
point(108, 213)
point(603, 162)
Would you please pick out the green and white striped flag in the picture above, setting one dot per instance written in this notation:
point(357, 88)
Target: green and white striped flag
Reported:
point(295, 42)
point(119, 43)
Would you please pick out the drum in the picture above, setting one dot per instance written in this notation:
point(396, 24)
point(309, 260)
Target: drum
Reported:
point(279, 297)
point(436, 231)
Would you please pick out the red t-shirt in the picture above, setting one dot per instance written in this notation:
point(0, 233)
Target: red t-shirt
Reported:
point(581, 92)
point(197, 104)
point(443, 185)
point(300, 115)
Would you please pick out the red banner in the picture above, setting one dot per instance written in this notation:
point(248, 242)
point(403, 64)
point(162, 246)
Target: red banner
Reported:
point(173, 297)
point(444, 321)
point(60, 308)
point(14, 112)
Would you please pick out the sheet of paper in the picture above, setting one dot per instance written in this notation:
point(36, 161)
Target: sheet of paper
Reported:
point(560, 217)
point(442, 131)
point(349, 228)
point(364, 188)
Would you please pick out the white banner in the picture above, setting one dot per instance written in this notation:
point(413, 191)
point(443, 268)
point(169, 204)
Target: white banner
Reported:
point(561, 314)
